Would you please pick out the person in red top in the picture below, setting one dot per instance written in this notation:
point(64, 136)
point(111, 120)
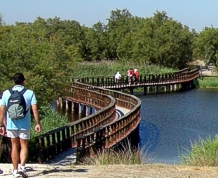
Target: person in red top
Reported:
point(130, 73)
point(136, 74)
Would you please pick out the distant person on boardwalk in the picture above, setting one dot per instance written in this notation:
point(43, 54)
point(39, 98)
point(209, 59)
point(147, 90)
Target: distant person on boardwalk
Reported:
point(117, 77)
point(136, 75)
point(18, 124)
point(130, 75)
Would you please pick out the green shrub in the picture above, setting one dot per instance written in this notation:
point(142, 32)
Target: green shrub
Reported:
point(203, 153)
point(209, 82)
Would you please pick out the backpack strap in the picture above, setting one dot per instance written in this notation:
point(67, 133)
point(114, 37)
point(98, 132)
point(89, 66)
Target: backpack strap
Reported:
point(23, 91)
point(10, 90)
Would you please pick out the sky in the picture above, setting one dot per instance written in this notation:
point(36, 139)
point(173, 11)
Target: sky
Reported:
point(196, 14)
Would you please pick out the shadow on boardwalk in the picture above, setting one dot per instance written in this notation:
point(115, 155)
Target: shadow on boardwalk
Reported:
point(64, 159)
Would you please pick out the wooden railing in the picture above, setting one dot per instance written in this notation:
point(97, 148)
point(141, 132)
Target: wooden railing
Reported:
point(63, 138)
point(144, 80)
point(109, 135)
point(99, 130)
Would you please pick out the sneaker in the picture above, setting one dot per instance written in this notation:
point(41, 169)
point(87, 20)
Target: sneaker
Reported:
point(23, 173)
point(15, 174)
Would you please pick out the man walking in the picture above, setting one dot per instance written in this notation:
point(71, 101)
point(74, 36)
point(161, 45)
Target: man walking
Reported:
point(18, 121)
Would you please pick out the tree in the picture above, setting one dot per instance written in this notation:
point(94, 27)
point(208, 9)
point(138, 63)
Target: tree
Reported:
point(160, 40)
point(206, 45)
point(43, 60)
point(117, 29)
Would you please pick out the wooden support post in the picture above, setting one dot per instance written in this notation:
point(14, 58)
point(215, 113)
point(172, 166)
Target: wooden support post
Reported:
point(72, 106)
point(131, 90)
point(171, 88)
point(67, 106)
point(156, 89)
point(175, 87)
point(58, 103)
point(145, 90)
point(86, 110)
point(61, 102)
point(164, 89)
point(79, 108)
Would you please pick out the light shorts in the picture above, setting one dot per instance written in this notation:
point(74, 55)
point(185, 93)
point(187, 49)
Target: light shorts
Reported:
point(24, 134)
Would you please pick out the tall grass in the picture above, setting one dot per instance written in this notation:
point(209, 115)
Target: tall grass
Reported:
point(209, 82)
point(126, 154)
point(109, 68)
point(203, 153)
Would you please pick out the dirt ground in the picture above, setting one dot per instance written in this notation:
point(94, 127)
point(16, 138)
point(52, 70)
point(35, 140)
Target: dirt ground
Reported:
point(115, 171)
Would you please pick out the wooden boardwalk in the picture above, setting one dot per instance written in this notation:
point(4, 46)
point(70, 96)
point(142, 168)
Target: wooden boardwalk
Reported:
point(102, 130)
point(69, 157)
point(60, 163)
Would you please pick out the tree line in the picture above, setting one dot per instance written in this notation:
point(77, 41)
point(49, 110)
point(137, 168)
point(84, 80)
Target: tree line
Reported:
point(48, 50)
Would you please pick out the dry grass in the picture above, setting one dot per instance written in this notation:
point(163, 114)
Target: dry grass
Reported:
point(117, 171)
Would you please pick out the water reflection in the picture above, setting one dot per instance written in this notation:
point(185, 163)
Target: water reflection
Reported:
point(170, 122)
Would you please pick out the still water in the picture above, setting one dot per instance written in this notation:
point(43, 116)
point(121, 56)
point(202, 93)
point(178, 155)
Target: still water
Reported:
point(170, 122)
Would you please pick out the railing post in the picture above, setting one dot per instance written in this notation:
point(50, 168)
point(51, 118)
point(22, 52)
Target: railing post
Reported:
point(80, 149)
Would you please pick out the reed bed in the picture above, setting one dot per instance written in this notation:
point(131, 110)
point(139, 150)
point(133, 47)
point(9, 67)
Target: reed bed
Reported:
point(123, 154)
point(209, 82)
point(202, 153)
point(109, 68)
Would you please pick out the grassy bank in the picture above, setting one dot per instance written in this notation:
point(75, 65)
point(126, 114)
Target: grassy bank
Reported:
point(209, 82)
point(203, 153)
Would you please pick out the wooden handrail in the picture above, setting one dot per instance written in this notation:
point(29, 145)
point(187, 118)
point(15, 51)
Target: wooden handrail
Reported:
point(99, 130)
point(63, 138)
point(144, 80)
point(109, 135)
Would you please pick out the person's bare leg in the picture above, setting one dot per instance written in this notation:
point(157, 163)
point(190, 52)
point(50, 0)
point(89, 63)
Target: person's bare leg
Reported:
point(23, 152)
point(15, 156)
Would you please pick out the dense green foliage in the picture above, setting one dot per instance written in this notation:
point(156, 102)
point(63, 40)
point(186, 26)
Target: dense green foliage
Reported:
point(208, 82)
point(47, 51)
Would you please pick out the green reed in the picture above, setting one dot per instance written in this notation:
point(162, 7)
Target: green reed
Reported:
point(209, 82)
point(109, 68)
point(202, 153)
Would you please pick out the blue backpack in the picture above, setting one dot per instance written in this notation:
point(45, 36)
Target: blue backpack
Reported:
point(16, 106)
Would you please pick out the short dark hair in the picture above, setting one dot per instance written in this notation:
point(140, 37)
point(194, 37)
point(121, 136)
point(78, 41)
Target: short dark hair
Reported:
point(18, 78)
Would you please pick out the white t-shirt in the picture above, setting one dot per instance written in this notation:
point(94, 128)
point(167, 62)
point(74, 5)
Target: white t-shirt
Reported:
point(117, 75)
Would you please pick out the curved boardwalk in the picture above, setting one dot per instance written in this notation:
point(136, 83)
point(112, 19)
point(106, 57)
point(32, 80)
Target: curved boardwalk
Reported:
point(104, 128)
